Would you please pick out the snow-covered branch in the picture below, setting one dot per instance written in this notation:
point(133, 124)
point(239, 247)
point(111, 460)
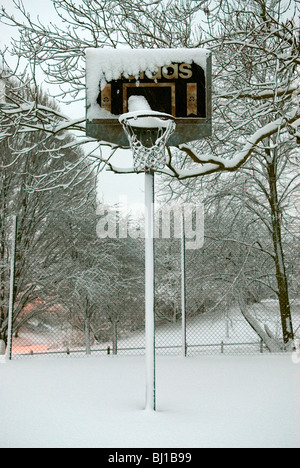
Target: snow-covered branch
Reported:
point(257, 94)
point(31, 116)
point(210, 164)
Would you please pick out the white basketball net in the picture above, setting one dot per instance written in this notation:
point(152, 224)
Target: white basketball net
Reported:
point(148, 135)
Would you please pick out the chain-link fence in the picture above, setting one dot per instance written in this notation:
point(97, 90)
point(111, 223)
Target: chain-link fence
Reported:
point(77, 294)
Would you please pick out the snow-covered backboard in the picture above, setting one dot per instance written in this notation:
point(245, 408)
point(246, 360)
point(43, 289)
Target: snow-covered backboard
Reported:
point(173, 81)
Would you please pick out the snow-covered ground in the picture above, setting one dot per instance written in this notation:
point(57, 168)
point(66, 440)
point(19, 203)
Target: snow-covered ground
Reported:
point(202, 401)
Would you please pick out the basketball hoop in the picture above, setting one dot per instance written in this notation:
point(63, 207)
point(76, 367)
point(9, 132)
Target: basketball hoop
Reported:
point(148, 132)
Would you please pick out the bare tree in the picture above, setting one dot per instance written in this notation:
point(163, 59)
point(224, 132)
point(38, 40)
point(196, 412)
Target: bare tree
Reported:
point(256, 55)
point(256, 111)
point(260, 37)
point(25, 160)
point(259, 82)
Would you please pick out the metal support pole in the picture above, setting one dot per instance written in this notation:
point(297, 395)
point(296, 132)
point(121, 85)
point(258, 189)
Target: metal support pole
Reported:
point(11, 287)
point(183, 287)
point(149, 291)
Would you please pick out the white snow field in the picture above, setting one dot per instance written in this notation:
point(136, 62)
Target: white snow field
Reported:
point(202, 401)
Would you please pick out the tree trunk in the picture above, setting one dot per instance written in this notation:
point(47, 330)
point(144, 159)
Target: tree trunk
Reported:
point(281, 276)
point(270, 342)
point(3, 308)
point(3, 263)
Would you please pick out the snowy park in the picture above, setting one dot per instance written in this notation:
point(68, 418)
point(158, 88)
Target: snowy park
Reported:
point(149, 224)
point(202, 402)
point(224, 331)
point(234, 399)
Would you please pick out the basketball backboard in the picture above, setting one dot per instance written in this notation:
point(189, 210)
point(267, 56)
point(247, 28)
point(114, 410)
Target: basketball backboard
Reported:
point(173, 81)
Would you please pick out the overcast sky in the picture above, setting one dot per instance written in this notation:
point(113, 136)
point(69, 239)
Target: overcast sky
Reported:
point(112, 187)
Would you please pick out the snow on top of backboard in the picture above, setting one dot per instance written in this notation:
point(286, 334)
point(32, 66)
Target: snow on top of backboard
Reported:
point(106, 64)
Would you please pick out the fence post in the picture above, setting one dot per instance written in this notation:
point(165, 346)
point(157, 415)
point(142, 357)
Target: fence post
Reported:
point(183, 286)
point(115, 337)
point(261, 346)
point(11, 287)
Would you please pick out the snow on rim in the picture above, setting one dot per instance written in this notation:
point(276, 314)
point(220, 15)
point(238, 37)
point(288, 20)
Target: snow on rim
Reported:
point(147, 119)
